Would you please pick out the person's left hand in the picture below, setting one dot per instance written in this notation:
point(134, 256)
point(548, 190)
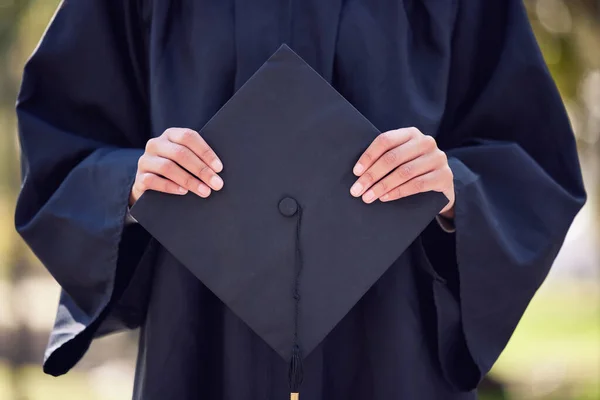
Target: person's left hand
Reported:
point(401, 163)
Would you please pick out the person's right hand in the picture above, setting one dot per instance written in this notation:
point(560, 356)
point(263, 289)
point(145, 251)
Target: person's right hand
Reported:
point(163, 165)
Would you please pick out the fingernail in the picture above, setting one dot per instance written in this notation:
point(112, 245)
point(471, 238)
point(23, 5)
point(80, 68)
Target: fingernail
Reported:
point(203, 190)
point(369, 196)
point(385, 197)
point(217, 165)
point(182, 190)
point(356, 189)
point(358, 169)
point(216, 182)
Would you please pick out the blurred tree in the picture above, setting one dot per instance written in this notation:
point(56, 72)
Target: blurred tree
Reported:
point(11, 12)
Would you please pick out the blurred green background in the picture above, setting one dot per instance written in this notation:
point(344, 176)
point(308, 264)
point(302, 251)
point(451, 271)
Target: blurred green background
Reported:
point(554, 354)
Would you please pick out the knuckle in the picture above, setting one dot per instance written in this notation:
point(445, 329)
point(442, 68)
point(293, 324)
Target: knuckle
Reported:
point(428, 142)
point(146, 181)
point(177, 136)
point(141, 162)
point(413, 132)
point(395, 193)
point(187, 181)
point(187, 135)
point(442, 156)
point(382, 186)
point(151, 145)
point(405, 171)
point(165, 186)
point(367, 178)
point(385, 139)
point(427, 139)
point(390, 158)
point(208, 155)
point(169, 132)
point(181, 136)
point(180, 153)
point(204, 170)
point(448, 172)
point(165, 167)
point(419, 184)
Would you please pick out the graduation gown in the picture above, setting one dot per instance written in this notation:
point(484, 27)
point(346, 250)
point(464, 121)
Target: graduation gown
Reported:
point(110, 74)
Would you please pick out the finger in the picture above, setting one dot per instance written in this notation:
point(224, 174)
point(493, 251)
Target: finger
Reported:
point(193, 141)
point(381, 144)
point(419, 166)
point(188, 160)
point(149, 181)
point(391, 159)
point(431, 181)
point(173, 172)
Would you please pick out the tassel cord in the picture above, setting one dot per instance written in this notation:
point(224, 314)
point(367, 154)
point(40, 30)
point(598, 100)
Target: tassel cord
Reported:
point(296, 372)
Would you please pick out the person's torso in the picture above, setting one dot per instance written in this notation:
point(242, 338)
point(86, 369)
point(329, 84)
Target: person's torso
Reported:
point(389, 58)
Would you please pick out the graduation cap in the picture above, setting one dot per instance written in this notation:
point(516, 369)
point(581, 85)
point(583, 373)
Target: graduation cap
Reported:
point(284, 245)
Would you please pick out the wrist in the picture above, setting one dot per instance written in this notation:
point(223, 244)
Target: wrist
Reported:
point(132, 198)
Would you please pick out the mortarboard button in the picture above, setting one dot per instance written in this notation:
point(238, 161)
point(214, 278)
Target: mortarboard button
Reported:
point(288, 207)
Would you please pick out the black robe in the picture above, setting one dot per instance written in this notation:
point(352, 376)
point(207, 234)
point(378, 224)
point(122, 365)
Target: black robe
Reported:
point(110, 74)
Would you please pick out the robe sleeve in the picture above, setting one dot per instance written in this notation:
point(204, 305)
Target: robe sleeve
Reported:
point(518, 186)
point(82, 128)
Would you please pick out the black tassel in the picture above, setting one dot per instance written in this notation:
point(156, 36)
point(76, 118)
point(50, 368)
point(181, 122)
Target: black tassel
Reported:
point(296, 372)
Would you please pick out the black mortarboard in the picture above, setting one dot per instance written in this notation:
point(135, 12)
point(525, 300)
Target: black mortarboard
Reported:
point(284, 245)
